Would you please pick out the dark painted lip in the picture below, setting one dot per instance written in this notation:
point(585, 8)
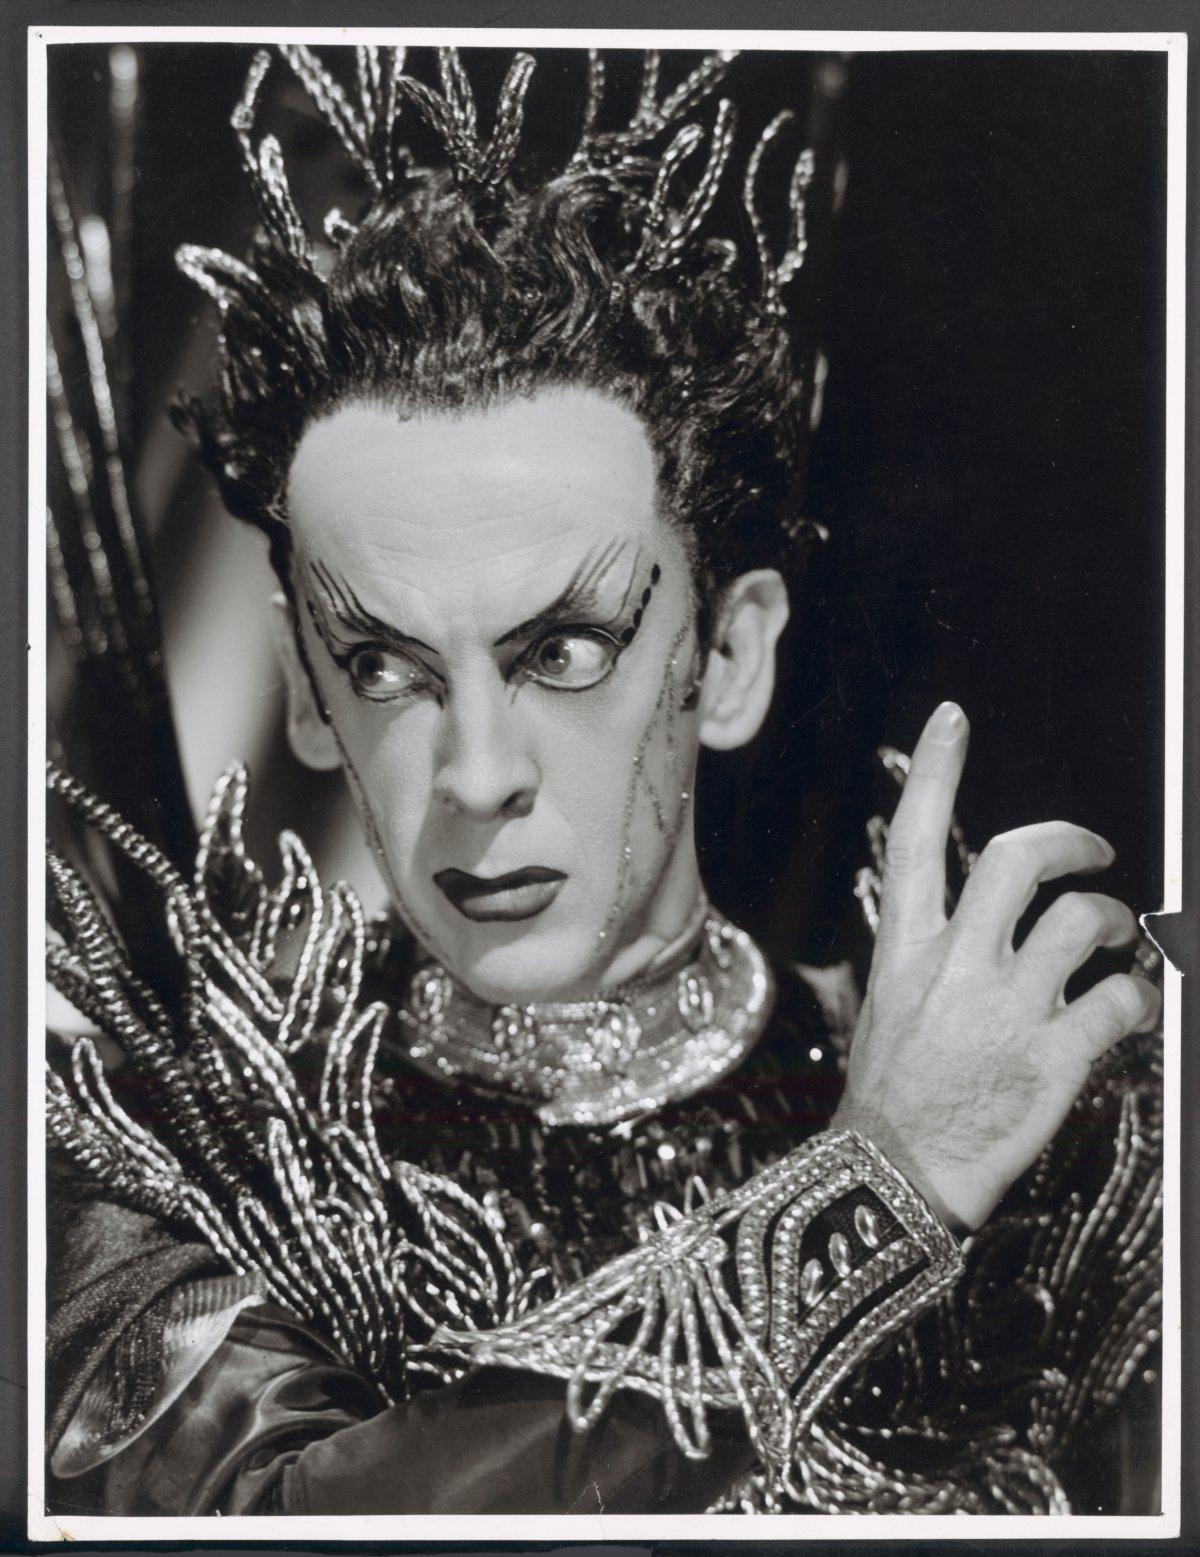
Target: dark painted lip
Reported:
point(518, 894)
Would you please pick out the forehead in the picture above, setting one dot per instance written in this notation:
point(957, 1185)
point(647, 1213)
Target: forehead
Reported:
point(477, 512)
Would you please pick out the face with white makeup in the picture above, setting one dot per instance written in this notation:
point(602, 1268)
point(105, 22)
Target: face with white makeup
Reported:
point(498, 645)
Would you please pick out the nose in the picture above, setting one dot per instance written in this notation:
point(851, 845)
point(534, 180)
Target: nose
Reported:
point(484, 768)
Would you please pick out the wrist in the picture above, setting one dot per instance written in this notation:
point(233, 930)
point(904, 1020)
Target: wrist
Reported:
point(941, 1199)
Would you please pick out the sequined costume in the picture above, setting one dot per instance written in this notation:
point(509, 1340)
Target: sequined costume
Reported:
point(720, 1270)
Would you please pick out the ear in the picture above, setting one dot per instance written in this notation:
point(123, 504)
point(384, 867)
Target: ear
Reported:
point(310, 735)
point(739, 678)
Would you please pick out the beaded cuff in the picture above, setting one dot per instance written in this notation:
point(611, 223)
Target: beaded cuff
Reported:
point(758, 1302)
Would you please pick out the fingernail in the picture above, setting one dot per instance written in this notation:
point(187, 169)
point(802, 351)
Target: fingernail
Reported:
point(948, 719)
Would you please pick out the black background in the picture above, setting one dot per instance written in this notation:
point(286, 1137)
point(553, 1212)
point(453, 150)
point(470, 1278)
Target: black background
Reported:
point(989, 464)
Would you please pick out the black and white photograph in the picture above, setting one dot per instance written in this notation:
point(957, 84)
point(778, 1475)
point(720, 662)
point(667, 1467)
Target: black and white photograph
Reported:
point(606, 706)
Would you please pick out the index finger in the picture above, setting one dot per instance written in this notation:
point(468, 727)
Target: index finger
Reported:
point(914, 881)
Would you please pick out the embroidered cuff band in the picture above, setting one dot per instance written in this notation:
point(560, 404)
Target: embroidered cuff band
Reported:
point(759, 1302)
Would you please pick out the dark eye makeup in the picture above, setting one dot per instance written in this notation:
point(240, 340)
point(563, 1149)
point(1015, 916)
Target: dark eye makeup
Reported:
point(570, 659)
point(382, 674)
point(565, 657)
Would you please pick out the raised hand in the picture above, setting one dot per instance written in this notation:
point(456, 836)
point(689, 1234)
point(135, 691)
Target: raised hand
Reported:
point(967, 1056)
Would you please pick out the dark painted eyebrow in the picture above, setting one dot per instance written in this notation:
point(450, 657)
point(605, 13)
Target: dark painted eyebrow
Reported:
point(578, 598)
point(353, 615)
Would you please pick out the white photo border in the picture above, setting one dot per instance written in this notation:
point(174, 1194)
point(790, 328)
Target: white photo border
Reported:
point(493, 1529)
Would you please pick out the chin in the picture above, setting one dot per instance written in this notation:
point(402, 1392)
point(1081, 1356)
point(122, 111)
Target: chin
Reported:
point(539, 964)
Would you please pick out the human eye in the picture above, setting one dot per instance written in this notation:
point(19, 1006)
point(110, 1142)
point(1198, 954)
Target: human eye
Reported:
point(383, 675)
point(572, 661)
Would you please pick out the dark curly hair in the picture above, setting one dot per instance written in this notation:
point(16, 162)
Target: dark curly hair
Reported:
point(459, 288)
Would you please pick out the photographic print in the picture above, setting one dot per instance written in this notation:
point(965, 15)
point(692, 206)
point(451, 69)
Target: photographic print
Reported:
point(610, 716)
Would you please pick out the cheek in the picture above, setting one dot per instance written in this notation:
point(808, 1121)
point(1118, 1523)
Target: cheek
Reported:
point(388, 758)
point(586, 749)
point(617, 762)
point(666, 750)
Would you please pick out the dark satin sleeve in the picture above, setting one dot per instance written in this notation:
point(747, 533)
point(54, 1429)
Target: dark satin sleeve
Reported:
point(273, 1423)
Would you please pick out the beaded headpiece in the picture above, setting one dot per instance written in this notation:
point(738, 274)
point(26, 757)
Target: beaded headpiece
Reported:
point(368, 130)
point(633, 182)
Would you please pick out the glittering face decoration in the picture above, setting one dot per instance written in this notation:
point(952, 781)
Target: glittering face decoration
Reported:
point(501, 630)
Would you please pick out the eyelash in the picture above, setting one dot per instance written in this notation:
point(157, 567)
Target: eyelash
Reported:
point(423, 677)
point(598, 635)
point(345, 658)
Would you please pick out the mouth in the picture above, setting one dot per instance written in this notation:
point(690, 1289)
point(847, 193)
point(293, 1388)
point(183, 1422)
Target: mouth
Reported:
point(520, 894)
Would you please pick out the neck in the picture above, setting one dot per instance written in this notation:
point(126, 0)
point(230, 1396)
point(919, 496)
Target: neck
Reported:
point(686, 1017)
point(670, 915)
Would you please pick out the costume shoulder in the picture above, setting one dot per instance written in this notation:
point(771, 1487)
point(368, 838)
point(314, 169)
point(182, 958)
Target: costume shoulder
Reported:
point(1062, 1295)
point(252, 1146)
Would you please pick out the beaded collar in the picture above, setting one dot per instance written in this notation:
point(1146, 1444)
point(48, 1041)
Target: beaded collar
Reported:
point(689, 1019)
